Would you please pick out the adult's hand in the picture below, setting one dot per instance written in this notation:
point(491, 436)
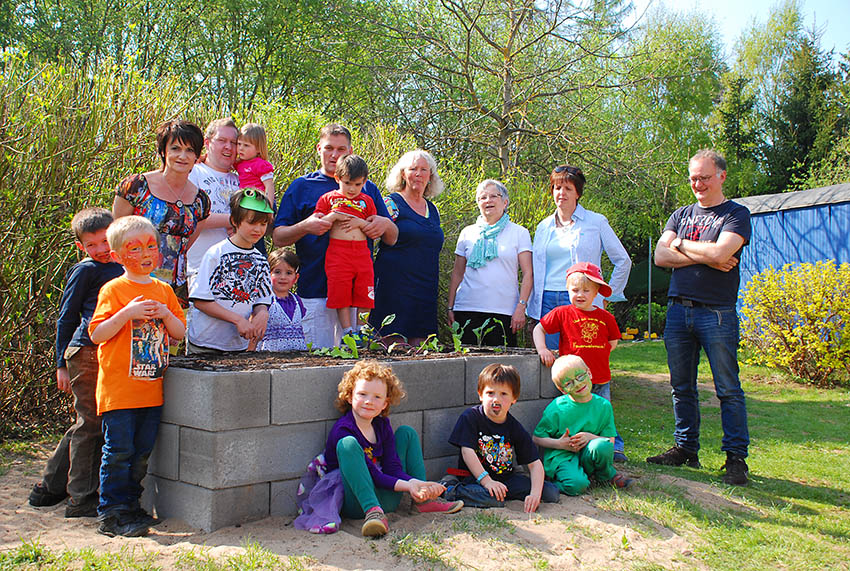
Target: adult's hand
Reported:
point(382, 227)
point(315, 224)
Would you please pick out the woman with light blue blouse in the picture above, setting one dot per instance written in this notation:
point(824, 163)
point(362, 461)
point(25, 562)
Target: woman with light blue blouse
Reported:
point(572, 234)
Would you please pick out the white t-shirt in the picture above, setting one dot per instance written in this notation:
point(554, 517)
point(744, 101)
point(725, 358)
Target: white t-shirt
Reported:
point(237, 279)
point(219, 186)
point(492, 288)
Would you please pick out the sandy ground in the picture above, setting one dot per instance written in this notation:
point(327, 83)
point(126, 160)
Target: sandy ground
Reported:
point(577, 533)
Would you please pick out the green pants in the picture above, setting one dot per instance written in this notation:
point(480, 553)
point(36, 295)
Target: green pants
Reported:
point(361, 495)
point(596, 460)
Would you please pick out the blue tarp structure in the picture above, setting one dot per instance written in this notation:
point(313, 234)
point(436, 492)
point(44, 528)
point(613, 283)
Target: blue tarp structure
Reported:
point(801, 226)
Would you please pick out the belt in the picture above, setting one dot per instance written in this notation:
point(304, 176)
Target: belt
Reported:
point(689, 302)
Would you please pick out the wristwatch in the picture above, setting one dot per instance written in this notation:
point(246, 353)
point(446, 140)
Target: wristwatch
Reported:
point(523, 302)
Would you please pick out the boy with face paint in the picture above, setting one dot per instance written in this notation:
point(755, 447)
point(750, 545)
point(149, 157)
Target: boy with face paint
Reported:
point(577, 432)
point(135, 317)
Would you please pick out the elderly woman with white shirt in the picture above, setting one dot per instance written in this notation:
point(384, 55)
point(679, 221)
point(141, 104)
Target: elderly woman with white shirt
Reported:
point(483, 283)
point(572, 234)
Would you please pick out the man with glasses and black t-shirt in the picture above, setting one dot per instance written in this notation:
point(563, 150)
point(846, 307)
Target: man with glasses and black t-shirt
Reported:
point(702, 242)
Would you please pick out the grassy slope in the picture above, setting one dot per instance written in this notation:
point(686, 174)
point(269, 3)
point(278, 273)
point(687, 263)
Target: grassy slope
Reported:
point(799, 496)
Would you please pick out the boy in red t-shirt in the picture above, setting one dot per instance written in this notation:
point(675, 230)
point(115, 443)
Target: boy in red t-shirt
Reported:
point(586, 331)
point(348, 261)
point(135, 318)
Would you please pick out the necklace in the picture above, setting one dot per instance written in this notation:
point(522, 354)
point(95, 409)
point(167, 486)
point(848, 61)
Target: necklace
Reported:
point(177, 201)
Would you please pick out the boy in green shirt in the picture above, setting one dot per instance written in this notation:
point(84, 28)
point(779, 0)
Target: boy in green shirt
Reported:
point(577, 432)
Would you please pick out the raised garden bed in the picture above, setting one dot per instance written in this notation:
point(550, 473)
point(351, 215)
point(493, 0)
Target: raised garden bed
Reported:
point(237, 431)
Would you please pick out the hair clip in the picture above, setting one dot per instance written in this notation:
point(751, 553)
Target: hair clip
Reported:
point(253, 200)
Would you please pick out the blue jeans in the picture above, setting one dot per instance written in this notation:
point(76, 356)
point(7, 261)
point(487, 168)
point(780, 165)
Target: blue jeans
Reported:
point(474, 495)
point(604, 391)
point(129, 436)
point(551, 300)
point(715, 329)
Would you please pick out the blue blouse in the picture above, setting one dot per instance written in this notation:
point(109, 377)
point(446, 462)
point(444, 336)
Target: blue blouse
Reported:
point(589, 235)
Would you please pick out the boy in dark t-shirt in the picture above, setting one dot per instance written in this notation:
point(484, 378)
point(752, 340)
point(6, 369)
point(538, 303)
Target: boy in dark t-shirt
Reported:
point(489, 438)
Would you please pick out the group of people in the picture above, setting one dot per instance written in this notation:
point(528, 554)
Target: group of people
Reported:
point(182, 254)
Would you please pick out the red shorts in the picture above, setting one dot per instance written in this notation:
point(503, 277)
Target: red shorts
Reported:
point(351, 278)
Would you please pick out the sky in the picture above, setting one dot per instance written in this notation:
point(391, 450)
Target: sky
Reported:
point(735, 16)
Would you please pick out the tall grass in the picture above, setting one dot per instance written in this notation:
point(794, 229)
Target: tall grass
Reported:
point(68, 137)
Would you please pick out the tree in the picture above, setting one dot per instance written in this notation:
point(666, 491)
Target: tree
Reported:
point(808, 120)
point(489, 78)
point(737, 134)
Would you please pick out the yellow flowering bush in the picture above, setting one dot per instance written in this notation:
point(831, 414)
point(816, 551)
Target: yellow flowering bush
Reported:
point(798, 319)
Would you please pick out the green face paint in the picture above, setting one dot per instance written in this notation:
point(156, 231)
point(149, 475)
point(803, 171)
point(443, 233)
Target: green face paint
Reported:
point(574, 380)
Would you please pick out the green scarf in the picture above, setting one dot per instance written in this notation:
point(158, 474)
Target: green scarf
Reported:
point(485, 247)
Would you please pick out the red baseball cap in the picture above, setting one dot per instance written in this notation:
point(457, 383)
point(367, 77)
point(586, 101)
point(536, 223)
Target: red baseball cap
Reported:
point(593, 273)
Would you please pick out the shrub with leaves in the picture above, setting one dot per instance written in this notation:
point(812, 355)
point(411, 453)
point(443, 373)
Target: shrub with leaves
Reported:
point(798, 319)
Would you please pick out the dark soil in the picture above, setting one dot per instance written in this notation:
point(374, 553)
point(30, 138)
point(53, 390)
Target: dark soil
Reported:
point(253, 361)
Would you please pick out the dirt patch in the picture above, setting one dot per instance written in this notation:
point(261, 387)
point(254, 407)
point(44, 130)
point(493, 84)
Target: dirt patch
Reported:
point(577, 533)
point(295, 359)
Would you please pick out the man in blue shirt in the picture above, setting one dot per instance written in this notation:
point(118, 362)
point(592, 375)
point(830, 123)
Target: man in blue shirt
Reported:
point(296, 223)
point(702, 242)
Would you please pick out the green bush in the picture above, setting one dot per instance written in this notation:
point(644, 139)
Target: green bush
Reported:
point(640, 315)
point(797, 319)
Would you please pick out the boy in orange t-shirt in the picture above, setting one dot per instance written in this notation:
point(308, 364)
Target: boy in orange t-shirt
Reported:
point(135, 317)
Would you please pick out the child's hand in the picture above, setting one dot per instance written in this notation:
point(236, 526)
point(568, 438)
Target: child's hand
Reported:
point(161, 310)
point(547, 357)
point(580, 440)
point(244, 328)
point(63, 380)
point(497, 489)
point(140, 308)
point(564, 441)
point(258, 325)
point(531, 503)
point(423, 491)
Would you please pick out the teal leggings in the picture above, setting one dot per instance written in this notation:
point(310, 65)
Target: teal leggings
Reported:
point(572, 476)
point(361, 495)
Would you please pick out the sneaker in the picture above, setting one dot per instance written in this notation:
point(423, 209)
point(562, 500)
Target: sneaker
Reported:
point(40, 497)
point(139, 514)
point(375, 524)
point(676, 457)
point(86, 507)
point(621, 481)
point(737, 471)
point(112, 525)
point(620, 457)
point(439, 506)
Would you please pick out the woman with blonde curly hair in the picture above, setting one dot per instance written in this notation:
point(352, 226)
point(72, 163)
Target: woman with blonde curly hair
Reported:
point(377, 465)
point(407, 272)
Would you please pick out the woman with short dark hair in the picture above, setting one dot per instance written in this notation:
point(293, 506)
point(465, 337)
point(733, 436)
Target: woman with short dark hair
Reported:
point(168, 199)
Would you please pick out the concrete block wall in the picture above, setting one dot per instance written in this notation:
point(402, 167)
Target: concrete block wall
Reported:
point(233, 445)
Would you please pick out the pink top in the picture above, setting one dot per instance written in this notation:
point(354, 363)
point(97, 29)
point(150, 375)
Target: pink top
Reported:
point(253, 172)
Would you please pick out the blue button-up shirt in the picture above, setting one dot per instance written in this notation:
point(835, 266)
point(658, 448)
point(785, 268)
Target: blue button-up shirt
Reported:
point(590, 234)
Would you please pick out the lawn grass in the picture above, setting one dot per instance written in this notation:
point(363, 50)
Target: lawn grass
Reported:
point(796, 511)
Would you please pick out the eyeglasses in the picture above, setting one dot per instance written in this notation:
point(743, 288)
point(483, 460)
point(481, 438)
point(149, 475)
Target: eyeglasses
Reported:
point(703, 179)
point(575, 171)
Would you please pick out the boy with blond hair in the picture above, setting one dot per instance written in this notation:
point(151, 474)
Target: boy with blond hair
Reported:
point(72, 469)
point(135, 318)
point(586, 330)
point(577, 431)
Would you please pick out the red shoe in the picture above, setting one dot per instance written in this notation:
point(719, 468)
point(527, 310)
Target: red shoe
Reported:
point(439, 506)
point(621, 481)
point(375, 524)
